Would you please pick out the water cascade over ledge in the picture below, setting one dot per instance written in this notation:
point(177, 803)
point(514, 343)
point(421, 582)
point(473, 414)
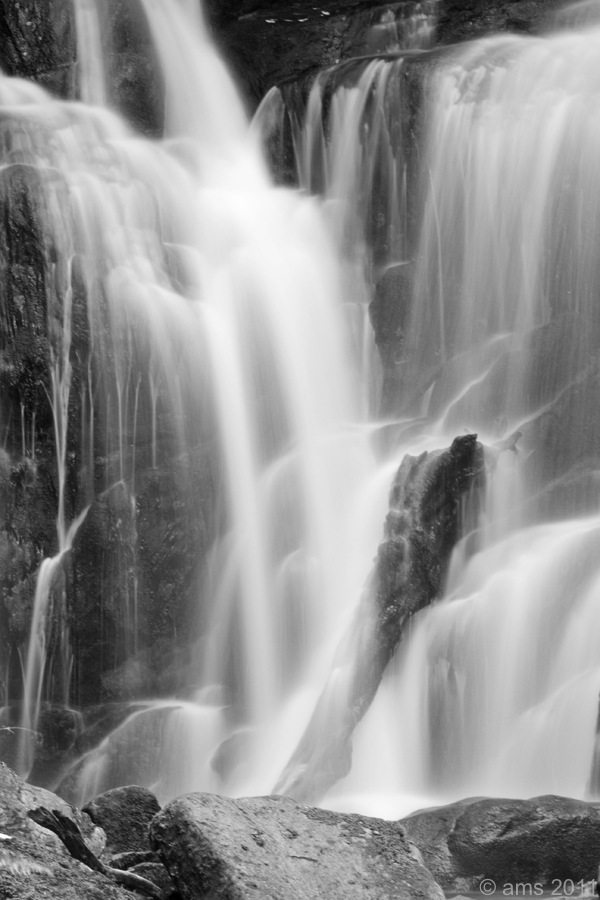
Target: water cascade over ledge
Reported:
point(233, 374)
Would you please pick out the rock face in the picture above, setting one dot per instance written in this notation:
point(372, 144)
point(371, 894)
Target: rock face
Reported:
point(38, 41)
point(122, 597)
point(271, 847)
point(268, 43)
point(426, 519)
point(125, 814)
point(541, 841)
point(465, 19)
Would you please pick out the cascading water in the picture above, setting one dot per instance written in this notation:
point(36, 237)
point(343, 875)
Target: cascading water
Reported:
point(496, 283)
point(217, 330)
point(214, 309)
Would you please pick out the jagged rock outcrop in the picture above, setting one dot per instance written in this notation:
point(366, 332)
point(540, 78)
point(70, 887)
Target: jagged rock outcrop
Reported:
point(271, 847)
point(543, 841)
point(428, 499)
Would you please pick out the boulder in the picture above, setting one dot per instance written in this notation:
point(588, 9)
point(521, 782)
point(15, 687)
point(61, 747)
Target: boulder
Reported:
point(34, 865)
point(545, 841)
point(124, 813)
point(272, 847)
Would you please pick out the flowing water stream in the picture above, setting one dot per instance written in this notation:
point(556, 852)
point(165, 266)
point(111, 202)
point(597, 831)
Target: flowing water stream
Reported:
point(222, 305)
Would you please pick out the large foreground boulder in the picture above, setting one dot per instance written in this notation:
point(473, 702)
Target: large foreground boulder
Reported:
point(541, 842)
point(272, 847)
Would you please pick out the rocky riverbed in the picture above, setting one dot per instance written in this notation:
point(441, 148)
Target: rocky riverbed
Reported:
point(205, 846)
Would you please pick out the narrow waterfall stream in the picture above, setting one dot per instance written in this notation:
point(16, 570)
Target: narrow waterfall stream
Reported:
point(231, 380)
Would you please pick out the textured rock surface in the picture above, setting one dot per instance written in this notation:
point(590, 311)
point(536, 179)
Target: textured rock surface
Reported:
point(120, 599)
point(465, 19)
point(271, 847)
point(38, 40)
point(268, 42)
point(34, 865)
point(510, 841)
point(426, 519)
point(125, 814)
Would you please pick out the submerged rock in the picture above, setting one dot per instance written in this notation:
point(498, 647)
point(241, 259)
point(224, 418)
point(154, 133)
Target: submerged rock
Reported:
point(271, 847)
point(543, 841)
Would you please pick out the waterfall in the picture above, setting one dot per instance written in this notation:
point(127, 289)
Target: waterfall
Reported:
point(217, 363)
point(245, 367)
point(483, 267)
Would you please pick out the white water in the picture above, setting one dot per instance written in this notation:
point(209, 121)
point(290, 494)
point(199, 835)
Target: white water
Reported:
point(212, 297)
point(496, 690)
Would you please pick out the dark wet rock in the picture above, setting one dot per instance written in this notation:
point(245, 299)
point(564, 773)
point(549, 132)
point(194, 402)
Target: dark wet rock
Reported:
point(269, 43)
point(120, 600)
point(231, 754)
point(434, 500)
point(175, 504)
point(57, 731)
point(103, 579)
point(388, 312)
point(265, 42)
point(134, 84)
point(543, 841)
point(124, 813)
point(38, 41)
point(270, 846)
point(32, 284)
point(461, 20)
point(34, 865)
